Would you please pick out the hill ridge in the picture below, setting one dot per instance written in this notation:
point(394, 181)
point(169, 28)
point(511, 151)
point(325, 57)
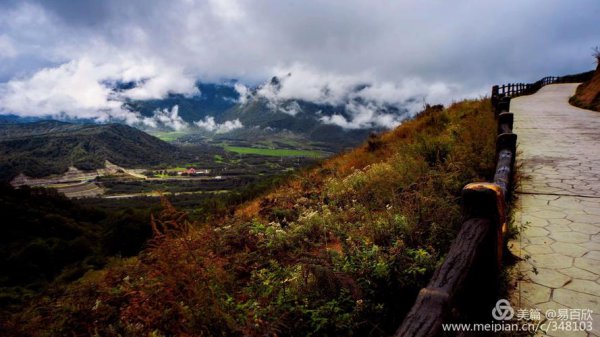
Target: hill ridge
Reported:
point(49, 147)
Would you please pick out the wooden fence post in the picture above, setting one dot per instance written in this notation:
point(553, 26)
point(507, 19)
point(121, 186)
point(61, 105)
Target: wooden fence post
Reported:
point(503, 105)
point(506, 144)
point(505, 122)
point(495, 96)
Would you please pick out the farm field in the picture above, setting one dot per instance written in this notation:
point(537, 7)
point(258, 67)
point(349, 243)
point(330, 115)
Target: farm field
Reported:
point(274, 152)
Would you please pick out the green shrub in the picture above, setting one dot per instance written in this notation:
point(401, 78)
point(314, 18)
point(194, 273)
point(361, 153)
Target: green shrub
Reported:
point(340, 250)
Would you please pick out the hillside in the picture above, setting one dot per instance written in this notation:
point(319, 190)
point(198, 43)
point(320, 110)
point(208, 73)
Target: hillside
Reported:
point(49, 147)
point(45, 236)
point(341, 249)
point(587, 95)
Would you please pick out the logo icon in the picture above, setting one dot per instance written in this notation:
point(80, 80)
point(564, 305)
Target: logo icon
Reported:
point(503, 311)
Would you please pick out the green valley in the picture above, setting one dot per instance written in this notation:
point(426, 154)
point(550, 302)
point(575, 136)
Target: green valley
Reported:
point(273, 152)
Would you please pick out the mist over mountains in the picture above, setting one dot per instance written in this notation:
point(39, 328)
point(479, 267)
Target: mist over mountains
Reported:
point(341, 70)
point(228, 106)
point(353, 66)
point(321, 111)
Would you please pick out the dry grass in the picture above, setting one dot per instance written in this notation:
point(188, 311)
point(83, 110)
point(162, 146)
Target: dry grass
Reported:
point(341, 249)
point(587, 95)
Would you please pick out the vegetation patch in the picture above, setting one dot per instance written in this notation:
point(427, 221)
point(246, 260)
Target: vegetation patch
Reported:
point(587, 95)
point(273, 152)
point(340, 249)
point(46, 237)
point(169, 136)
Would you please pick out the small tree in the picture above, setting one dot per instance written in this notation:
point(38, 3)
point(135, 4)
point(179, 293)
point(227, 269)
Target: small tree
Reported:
point(596, 53)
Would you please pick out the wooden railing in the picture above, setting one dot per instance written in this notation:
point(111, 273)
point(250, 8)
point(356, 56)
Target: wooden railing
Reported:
point(518, 89)
point(466, 284)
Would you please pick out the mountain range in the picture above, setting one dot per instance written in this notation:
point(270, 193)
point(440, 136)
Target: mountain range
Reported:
point(230, 110)
point(219, 115)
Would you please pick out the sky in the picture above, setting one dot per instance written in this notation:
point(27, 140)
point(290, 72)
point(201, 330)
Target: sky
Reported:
point(59, 57)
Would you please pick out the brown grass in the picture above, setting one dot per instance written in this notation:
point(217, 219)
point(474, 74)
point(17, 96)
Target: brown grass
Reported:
point(340, 249)
point(587, 95)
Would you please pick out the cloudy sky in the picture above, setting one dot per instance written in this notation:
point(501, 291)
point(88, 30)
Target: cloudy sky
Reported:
point(59, 56)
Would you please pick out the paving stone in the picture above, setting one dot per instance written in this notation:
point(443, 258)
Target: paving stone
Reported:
point(584, 286)
point(584, 218)
point(566, 203)
point(590, 245)
point(594, 255)
point(592, 210)
point(539, 249)
point(534, 202)
point(540, 240)
point(590, 203)
point(590, 265)
point(585, 228)
point(532, 294)
point(550, 305)
point(557, 229)
point(555, 261)
point(570, 237)
point(531, 221)
point(568, 249)
point(562, 222)
point(576, 300)
point(535, 231)
point(578, 273)
point(549, 278)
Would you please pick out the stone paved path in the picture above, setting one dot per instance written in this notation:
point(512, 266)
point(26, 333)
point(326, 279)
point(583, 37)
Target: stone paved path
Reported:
point(559, 201)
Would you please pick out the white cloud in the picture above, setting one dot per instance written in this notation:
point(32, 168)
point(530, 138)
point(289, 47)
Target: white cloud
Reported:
point(366, 101)
point(243, 91)
point(306, 83)
point(81, 89)
point(166, 117)
point(292, 108)
point(362, 116)
point(210, 125)
point(159, 82)
point(72, 89)
point(432, 49)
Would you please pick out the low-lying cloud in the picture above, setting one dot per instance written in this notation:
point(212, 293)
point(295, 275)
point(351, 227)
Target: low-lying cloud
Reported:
point(168, 118)
point(58, 59)
point(366, 102)
point(85, 89)
point(209, 124)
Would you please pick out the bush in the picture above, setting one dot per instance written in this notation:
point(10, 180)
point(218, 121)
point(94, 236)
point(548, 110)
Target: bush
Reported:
point(341, 249)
